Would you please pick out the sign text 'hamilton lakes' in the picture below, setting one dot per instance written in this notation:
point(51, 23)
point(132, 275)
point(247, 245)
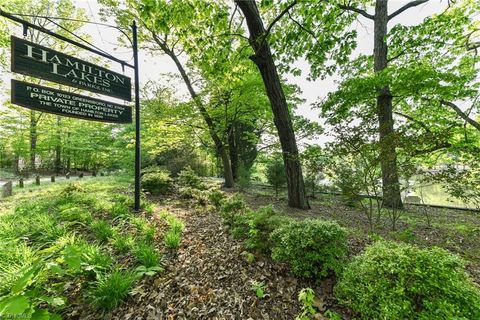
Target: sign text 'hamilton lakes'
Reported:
point(38, 61)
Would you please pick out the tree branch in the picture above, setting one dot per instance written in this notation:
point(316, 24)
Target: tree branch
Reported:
point(405, 7)
point(310, 32)
point(279, 17)
point(412, 119)
point(357, 10)
point(462, 114)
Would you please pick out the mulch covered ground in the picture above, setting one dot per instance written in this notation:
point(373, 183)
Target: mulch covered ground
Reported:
point(210, 278)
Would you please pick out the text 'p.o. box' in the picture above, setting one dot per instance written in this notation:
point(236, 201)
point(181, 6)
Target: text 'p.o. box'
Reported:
point(67, 104)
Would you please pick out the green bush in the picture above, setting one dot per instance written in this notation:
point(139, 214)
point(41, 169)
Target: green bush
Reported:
point(261, 224)
point(231, 208)
point(157, 183)
point(215, 197)
point(312, 247)
point(186, 192)
point(188, 178)
point(398, 281)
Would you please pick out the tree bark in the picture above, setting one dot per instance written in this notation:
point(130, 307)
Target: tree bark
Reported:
point(388, 156)
point(220, 146)
point(266, 65)
point(233, 152)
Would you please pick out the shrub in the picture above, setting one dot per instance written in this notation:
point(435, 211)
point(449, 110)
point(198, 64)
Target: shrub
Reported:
point(311, 247)
point(146, 255)
point(231, 208)
point(215, 197)
point(111, 289)
point(157, 183)
point(261, 224)
point(399, 281)
point(186, 192)
point(102, 230)
point(188, 178)
point(72, 188)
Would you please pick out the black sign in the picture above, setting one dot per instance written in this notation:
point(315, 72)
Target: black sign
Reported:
point(34, 60)
point(67, 104)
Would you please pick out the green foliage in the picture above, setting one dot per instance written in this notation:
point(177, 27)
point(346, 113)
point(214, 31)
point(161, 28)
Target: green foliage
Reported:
point(73, 213)
point(145, 230)
point(146, 255)
point(173, 236)
point(158, 182)
point(123, 243)
point(215, 197)
point(111, 289)
point(44, 245)
point(119, 210)
point(102, 230)
point(172, 239)
point(313, 248)
point(306, 297)
point(72, 188)
point(259, 288)
point(399, 281)
point(276, 175)
point(231, 208)
point(188, 178)
point(261, 224)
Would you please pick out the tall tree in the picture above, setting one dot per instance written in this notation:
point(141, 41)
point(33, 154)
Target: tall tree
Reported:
point(169, 26)
point(263, 58)
point(388, 153)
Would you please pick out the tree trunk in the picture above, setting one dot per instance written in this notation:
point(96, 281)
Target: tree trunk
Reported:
point(16, 159)
point(264, 61)
point(233, 152)
point(33, 140)
point(220, 146)
point(388, 156)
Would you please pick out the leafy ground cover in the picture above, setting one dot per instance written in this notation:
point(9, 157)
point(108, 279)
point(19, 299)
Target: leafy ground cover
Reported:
point(77, 251)
point(73, 250)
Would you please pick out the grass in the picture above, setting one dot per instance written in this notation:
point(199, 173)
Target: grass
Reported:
point(102, 230)
point(173, 236)
point(111, 289)
point(73, 235)
point(146, 255)
point(123, 243)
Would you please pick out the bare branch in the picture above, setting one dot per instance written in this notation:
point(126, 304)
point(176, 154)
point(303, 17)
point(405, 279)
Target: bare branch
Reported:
point(357, 10)
point(405, 7)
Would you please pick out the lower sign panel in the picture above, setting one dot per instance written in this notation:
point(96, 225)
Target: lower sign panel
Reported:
point(67, 104)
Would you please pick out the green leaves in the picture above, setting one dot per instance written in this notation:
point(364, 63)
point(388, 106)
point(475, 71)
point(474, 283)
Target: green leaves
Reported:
point(14, 305)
